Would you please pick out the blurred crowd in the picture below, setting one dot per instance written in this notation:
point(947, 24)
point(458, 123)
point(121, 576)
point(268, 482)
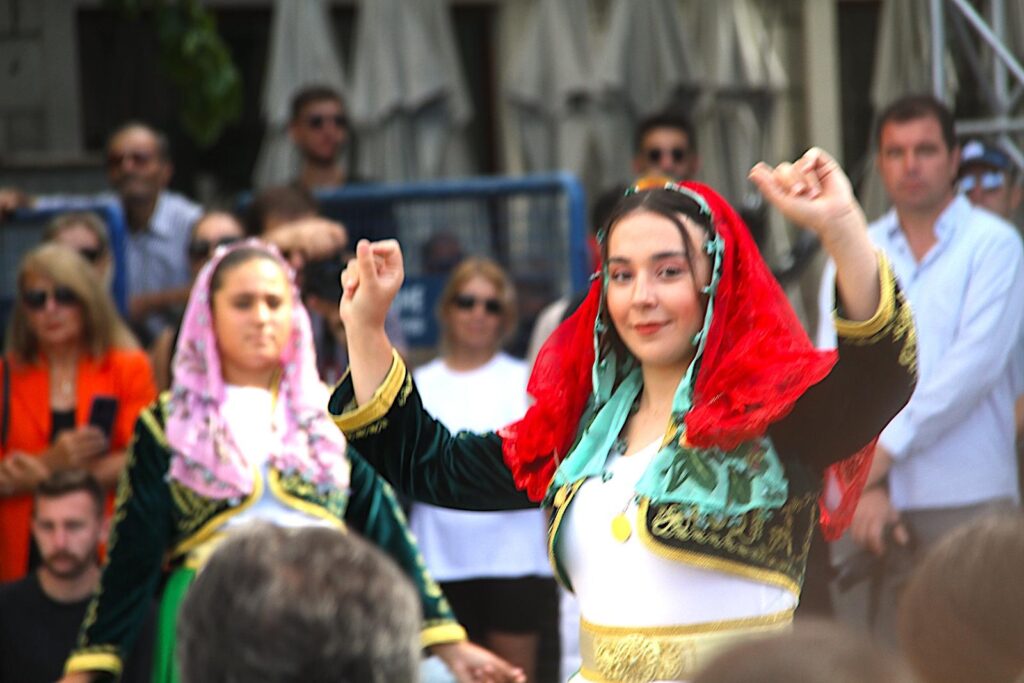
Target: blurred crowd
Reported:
point(924, 588)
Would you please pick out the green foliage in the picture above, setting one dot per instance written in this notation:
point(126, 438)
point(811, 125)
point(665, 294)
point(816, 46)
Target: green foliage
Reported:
point(198, 63)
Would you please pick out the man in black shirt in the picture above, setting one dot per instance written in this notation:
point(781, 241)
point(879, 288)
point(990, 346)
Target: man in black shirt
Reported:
point(40, 614)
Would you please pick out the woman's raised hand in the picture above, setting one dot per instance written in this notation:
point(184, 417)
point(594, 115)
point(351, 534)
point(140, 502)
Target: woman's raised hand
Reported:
point(813, 192)
point(369, 284)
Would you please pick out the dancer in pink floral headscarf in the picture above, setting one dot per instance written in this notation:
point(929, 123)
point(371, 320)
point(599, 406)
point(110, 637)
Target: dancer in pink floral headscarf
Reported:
point(243, 435)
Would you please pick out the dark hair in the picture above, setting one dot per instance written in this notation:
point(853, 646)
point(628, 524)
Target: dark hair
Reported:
point(309, 604)
point(912, 107)
point(668, 118)
point(603, 205)
point(286, 201)
point(311, 94)
point(668, 204)
point(960, 616)
point(817, 651)
point(236, 258)
point(163, 145)
point(64, 482)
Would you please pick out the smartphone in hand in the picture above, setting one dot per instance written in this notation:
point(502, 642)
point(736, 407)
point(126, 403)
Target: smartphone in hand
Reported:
point(102, 414)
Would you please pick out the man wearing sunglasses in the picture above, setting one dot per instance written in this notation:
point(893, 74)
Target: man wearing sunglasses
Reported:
point(320, 131)
point(665, 144)
point(159, 221)
point(989, 179)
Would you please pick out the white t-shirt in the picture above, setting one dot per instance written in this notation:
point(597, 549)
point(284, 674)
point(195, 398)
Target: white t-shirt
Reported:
point(456, 544)
point(626, 584)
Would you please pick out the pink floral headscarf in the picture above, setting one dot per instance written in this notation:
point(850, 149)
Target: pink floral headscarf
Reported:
point(204, 454)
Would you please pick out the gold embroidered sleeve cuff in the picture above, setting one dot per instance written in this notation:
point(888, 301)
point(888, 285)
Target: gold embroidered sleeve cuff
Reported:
point(362, 416)
point(434, 633)
point(884, 314)
point(91, 659)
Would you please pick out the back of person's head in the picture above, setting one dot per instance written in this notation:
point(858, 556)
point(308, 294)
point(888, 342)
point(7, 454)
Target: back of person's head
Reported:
point(103, 327)
point(274, 206)
point(962, 614)
point(913, 107)
point(300, 605)
point(817, 651)
point(311, 94)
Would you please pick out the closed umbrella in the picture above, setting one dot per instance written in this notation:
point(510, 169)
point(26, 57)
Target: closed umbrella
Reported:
point(301, 53)
point(550, 87)
point(409, 101)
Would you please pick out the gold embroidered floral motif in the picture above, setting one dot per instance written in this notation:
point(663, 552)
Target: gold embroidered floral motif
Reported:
point(744, 538)
point(403, 394)
point(637, 658)
point(195, 509)
point(369, 430)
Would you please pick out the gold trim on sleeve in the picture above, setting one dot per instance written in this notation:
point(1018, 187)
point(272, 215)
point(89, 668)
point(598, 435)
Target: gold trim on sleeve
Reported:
point(380, 404)
point(439, 633)
point(883, 315)
point(93, 661)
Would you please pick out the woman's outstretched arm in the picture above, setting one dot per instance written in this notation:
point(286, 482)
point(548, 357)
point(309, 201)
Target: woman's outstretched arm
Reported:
point(815, 193)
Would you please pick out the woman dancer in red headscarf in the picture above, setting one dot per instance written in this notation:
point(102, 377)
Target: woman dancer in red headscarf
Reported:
point(686, 436)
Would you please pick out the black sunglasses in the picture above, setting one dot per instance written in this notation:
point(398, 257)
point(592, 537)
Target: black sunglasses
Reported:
point(317, 121)
point(91, 254)
point(678, 154)
point(200, 249)
point(35, 299)
point(467, 302)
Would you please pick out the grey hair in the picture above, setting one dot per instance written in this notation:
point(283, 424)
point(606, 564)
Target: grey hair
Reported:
point(312, 604)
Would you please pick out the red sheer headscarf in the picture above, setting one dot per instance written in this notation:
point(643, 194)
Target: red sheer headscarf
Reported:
point(757, 362)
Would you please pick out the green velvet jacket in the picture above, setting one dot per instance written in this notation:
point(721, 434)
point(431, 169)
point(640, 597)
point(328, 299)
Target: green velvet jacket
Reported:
point(159, 523)
point(834, 419)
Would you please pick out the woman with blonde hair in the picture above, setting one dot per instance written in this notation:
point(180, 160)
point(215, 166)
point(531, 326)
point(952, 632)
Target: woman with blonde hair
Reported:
point(492, 565)
point(86, 233)
point(66, 347)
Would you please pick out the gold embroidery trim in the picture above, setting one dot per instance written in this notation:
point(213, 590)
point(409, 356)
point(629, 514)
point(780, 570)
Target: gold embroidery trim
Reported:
point(380, 404)
point(705, 561)
point(434, 633)
point(93, 661)
point(883, 314)
point(565, 493)
point(305, 506)
point(616, 654)
point(207, 530)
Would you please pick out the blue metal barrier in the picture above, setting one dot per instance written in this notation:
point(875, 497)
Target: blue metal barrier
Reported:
point(24, 230)
point(534, 226)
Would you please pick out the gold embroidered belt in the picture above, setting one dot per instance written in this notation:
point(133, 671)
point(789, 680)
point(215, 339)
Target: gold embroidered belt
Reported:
point(617, 654)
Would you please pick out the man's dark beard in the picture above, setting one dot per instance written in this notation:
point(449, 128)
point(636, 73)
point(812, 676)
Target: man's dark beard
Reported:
point(77, 567)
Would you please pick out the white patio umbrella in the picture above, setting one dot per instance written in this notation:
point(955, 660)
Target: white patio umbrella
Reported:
point(902, 66)
point(648, 58)
point(744, 77)
point(409, 101)
point(301, 53)
point(550, 87)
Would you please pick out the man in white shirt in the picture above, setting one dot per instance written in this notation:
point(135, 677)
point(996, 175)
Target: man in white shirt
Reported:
point(949, 455)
